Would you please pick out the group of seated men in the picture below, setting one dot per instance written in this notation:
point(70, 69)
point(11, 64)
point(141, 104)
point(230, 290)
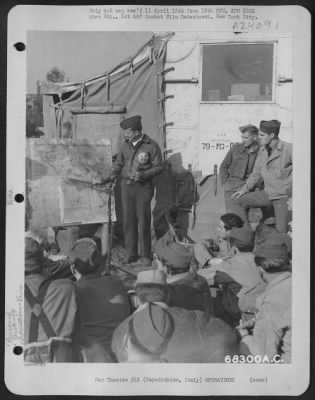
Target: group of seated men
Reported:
point(194, 302)
point(201, 303)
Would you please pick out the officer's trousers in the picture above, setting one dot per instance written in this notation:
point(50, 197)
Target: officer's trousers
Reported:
point(136, 202)
point(260, 199)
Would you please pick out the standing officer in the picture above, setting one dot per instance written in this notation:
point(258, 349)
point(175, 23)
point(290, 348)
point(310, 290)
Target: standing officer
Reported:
point(139, 160)
point(274, 166)
point(237, 165)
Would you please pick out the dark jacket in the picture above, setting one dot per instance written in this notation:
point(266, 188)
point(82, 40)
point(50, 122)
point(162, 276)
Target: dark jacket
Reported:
point(190, 292)
point(240, 280)
point(237, 165)
point(103, 304)
point(127, 161)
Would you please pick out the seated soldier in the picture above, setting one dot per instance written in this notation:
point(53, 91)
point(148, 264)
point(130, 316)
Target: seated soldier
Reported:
point(266, 230)
point(102, 302)
point(229, 221)
point(186, 289)
point(208, 252)
point(55, 265)
point(269, 333)
point(237, 276)
point(49, 311)
point(149, 332)
point(197, 337)
point(205, 251)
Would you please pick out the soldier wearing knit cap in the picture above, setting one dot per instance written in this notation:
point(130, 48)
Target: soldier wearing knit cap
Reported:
point(274, 166)
point(238, 164)
point(138, 161)
point(272, 326)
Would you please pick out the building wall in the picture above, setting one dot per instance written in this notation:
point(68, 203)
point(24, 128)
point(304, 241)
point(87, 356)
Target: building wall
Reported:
point(202, 132)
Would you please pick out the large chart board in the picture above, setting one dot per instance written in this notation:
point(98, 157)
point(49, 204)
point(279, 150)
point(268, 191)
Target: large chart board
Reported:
point(57, 182)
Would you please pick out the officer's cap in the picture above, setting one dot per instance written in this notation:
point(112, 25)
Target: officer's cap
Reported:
point(132, 122)
point(272, 126)
point(251, 128)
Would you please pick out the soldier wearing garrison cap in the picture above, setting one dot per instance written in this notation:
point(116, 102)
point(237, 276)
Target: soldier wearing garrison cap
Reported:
point(156, 332)
point(238, 164)
point(139, 160)
point(149, 332)
point(274, 166)
point(272, 331)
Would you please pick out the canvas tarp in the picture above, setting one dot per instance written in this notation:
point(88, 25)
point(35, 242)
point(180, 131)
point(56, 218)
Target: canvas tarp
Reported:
point(133, 87)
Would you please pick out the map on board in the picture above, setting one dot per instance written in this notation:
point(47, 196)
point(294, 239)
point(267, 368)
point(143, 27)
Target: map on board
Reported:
point(59, 176)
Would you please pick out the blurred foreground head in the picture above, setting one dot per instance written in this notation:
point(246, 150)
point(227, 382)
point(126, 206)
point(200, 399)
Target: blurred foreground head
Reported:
point(149, 332)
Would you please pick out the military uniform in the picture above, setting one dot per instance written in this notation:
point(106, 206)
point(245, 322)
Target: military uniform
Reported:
point(273, 323)
point(145, 159)
point(47, 334)
point(197, 338)
point(276, 171)
point(236, 167)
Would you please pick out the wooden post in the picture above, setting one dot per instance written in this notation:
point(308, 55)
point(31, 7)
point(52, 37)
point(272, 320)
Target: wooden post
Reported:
point(49, 115)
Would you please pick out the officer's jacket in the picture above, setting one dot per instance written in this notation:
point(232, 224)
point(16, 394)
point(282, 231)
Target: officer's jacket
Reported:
point(237, 165)
point(145, 157)
point(275, 170)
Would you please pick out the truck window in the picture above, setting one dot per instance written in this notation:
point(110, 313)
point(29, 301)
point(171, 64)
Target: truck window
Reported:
point(237, 72)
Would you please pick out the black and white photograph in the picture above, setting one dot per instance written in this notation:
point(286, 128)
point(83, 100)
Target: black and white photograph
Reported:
point(158, 202)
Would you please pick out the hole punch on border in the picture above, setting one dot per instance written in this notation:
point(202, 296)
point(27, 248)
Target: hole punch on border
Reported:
point(19, 198)
point(17, 350)
point(20, 46)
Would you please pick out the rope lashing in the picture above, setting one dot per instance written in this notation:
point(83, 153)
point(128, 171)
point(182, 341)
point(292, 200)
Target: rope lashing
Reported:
point(107, 87)
point(83, 92)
